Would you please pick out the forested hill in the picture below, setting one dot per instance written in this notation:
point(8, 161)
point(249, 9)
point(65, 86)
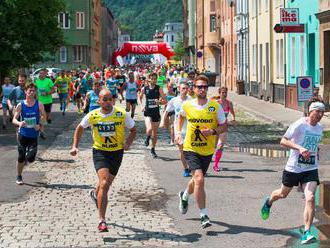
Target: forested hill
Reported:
point(141, 18)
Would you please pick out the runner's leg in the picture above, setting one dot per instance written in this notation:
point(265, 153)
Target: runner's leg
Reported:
point(309, 190)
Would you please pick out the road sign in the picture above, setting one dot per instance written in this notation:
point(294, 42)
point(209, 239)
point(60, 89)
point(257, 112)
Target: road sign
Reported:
point(304, 88)
point(289, 16)
point(289, 29)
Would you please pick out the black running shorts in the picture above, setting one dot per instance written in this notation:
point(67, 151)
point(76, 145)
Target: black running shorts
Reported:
point(48, 108)
point(197, 162)
point(290, 179)
point(108, 160)
point(27, 149)
point(153, 114)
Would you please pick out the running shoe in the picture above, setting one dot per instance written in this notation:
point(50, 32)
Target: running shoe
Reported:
point(103, 227)
point(92, 194)
point(147, 141)
point(216, 168)
point(186, 173)
point(205, 221)
point(183, 205)
point(42, 135)
point(265, 210)
point(153, 153)
point(307, 237)
point(63, 113)
point(19, 180)
point(49, 121)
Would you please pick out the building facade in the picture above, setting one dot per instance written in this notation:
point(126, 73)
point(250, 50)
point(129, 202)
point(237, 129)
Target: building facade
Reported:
point(208, 36)
point(109, 35)
point(229, 47)
point(302, 51)
point(324, 18)
point(242, 47)
point(172, 32)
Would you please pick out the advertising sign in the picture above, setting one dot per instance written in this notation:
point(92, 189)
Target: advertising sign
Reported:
point(289, 16)
point(304, 88)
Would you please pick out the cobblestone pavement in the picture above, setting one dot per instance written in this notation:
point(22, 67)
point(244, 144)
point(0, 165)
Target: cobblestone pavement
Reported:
point(59, 212)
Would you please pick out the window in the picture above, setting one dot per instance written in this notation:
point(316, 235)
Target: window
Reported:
point(172, 38)
point(254, 60)
point(63, 55)
point(293, 54)
point(63, 20)
point(78, 53)
point(302, 55)
point(80, 20)
point(212, 6)
point(213, 23)
point(266, 5)
point(277, 68)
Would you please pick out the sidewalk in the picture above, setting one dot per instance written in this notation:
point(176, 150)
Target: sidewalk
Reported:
point(270, 112)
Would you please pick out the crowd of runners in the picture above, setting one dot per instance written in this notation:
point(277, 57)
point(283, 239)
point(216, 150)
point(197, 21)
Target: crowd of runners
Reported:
point(169, 97)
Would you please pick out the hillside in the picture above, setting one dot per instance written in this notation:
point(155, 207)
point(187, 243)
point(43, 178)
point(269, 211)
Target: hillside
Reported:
point(141, 18)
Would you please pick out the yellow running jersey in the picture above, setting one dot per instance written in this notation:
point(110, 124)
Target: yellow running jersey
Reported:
point(198, 119)
point(108, 131)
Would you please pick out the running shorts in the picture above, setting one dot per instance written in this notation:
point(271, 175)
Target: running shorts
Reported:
point(27, 149)
point(108, 160)
point(197, 162)
point(290, 179)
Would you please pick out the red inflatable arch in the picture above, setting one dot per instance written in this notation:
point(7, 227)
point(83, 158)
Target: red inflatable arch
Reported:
point(143, 48)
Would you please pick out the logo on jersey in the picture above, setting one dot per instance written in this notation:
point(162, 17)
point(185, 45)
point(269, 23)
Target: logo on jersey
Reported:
point(119, 114)
point(211, 109)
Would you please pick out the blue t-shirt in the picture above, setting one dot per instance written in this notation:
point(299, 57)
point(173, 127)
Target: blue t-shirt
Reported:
point(112, 85)
point(6, 90)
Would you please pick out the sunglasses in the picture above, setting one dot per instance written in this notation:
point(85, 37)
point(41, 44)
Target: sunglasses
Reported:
point(205, 87)
point(107, 99)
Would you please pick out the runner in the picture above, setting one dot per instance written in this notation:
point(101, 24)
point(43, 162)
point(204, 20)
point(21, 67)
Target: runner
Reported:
point(18, 93)
point(154, 97)
point(92, 98)
point(108, 124)
point(227, 107)
point(121, 80)
point(62, 84)
point(80, 88)
point(191, 78)
point(113, 85)
point(174, 105)
point(28, 114)
point(131, 88)
point(45, 88)
point(170, 95)
point(7, 88)
point(204, 121)
point(303, 138)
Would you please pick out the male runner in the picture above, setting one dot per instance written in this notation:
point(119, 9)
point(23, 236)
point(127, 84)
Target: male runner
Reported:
point(7, 88)
point(154, 97)
point(204, 120)
point(303, 138)
point(131, 88)
point(175, 105)
point(108, 125)
point(45, 88)
point(27, 116)
point(92, 98)
point(62, 84)
point(18, 93)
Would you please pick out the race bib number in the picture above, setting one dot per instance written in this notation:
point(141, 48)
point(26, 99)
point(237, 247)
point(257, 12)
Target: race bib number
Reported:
point(132, 90)
point(106, 129)
point(152, 103)
point(302, 162)
point(30, 122)
point(41, 91)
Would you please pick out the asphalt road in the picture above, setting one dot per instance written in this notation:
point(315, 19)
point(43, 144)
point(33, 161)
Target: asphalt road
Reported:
point(9, 191)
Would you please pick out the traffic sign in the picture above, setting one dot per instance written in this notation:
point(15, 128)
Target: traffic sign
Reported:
point(304, 88)
point(278, 28)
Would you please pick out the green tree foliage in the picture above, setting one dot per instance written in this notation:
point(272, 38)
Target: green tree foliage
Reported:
point(179, 49)
point(141, 18)
point(28, 29)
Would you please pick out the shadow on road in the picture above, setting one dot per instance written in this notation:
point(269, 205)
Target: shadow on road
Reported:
point(237, 229)
point(248, 170)
point(142, 234)
point(70, 161)
point(168, 159)
point(221, 176)
point(60, 186)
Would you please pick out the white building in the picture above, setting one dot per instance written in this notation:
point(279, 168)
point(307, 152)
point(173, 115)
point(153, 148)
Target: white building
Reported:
point(172, 31)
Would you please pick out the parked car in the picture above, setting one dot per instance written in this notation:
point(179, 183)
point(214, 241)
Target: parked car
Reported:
point(52, 73)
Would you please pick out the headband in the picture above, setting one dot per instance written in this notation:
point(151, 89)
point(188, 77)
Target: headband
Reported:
point(316, 106)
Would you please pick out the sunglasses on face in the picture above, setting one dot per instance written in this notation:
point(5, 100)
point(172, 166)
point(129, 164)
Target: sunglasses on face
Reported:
point(107, 99)
point(205, 87)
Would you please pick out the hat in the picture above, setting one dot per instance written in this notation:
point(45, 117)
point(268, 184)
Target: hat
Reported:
point(316, 106)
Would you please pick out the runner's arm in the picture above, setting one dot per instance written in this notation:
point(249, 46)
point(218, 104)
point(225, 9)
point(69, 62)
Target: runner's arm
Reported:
point(86, 101)
point(162, 99)
point(129, 123)
point(141, 96)
point(17, 113)
point(76, 139)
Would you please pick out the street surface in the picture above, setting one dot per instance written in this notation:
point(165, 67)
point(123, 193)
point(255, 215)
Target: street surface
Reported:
point(143, 202)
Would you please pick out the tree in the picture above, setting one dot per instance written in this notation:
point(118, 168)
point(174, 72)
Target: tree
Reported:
point(28, 30)
point(179, 49)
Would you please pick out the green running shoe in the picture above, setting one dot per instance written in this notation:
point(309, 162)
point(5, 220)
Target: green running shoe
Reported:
point(307, 237)
point(265, 210)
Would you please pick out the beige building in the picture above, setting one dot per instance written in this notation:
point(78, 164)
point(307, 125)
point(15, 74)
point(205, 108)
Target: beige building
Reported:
point(96, 58)
point(260, 48)
point(277, 55)
point(208, 35)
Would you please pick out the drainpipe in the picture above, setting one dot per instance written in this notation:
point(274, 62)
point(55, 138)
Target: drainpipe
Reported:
point(257, 47)
point(285, 72)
